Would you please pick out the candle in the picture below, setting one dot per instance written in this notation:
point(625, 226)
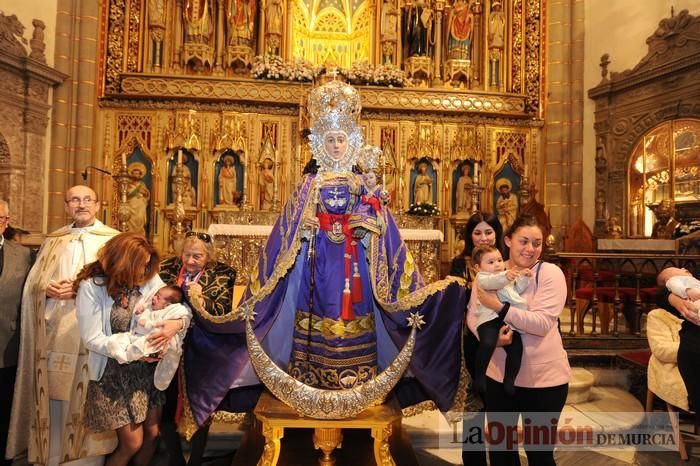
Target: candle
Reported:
point(123, 159)
point(179, 157)
point(476, 170)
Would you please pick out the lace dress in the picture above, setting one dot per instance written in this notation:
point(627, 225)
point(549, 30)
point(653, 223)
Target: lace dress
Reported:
point(125, 393)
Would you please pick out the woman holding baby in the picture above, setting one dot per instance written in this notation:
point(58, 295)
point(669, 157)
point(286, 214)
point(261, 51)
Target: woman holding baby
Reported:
point(120, 397)
point(541, 385)
point(681, 296)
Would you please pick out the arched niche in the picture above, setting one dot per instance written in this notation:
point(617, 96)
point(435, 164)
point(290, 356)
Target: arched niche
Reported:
point(633, 110)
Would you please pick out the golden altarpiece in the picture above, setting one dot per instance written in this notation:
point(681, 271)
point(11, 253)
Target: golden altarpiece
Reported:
point(193, 139)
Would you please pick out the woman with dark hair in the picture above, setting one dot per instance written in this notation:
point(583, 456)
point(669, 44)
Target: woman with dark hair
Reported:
point(121, 394)
point(542, 383)
point(481, 230)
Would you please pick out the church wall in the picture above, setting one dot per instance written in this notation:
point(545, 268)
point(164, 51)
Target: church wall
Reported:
point(619, 28)
point(563, 154)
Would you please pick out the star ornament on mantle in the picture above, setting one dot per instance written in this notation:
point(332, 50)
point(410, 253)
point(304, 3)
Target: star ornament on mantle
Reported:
point(415, 320)
point(248, 313)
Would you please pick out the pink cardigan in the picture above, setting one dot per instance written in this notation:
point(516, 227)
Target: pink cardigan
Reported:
point(544, 362)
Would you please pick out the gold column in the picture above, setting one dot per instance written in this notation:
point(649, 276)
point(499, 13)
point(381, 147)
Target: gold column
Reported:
point(220, 38)
point(177, 65)
point(477, 47)
point(439, 8)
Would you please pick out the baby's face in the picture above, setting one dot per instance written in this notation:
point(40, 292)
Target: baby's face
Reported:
point(160, 300)
point(370, 179)
point(492, 262)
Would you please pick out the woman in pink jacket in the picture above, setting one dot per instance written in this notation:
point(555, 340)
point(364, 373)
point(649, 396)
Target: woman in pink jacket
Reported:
point(543, 381)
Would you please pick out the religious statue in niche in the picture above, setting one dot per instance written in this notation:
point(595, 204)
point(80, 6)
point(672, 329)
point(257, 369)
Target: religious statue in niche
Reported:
point(240, 20)
point(198, 45)
point(463, 191)
point(137, 198)
point(460, 25)
point(614, 229)
point(422, 185)
point(228, 182)
point(496, 32)
point(198, 22)
point(273, 26)
point(389, 31)
point(666, 225)
point(419, 29)
point(189, 194)
point(507, 203)
point(266, 183)
point(156, 29)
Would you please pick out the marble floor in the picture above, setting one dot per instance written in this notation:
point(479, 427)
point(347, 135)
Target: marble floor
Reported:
point(428, 432)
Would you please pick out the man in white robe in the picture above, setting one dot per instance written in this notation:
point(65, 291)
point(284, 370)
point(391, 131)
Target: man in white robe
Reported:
point(52, 373)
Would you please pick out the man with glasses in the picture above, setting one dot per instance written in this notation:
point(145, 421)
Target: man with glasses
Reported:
point(15, 261)
point(51, 377)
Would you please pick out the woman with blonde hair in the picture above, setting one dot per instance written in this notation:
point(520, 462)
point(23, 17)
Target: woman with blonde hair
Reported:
point(121, 395)
point(208, 289)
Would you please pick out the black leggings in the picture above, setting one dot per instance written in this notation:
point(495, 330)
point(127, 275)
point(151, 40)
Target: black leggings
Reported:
point(488, 339)
point(688, 355)
point(532, 403)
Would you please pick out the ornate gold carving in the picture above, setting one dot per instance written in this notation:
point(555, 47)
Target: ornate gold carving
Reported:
point(327, 440)
point(533, 54)
point(115, 41)
point(134, 36)
point(419, 70)
point(229, 418)
point(137, 85)
point(382, 453)
point(458, 71)
point(325, 404)
point(517, 44)
point(273, 445)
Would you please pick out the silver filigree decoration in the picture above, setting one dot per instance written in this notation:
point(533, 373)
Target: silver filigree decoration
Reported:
point(326, 404)
point(335, 107)
point(415, 320)
point(369, 157)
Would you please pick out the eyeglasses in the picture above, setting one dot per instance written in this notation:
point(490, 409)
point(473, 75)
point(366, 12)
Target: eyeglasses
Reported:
point(88, 201)
point(203, 236)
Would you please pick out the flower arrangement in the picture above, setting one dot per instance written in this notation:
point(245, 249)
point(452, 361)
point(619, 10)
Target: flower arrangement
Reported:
point(363, 73)
point(423, 210)
point(275, 68)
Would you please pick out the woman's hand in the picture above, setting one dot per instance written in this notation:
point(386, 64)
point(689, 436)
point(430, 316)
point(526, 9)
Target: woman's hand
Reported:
point(166, 330)
point(489, 299)
point(505, 336)
point(685, 307)
point(194, 289)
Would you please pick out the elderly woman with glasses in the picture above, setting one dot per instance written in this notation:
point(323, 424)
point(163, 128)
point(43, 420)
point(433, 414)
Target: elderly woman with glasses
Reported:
point(208, 288)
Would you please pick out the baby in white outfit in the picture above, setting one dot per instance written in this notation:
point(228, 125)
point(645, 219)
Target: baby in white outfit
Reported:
point(126, 347)
point(681, 283)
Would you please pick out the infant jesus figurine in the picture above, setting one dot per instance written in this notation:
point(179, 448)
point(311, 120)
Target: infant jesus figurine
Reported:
point(166, 304)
